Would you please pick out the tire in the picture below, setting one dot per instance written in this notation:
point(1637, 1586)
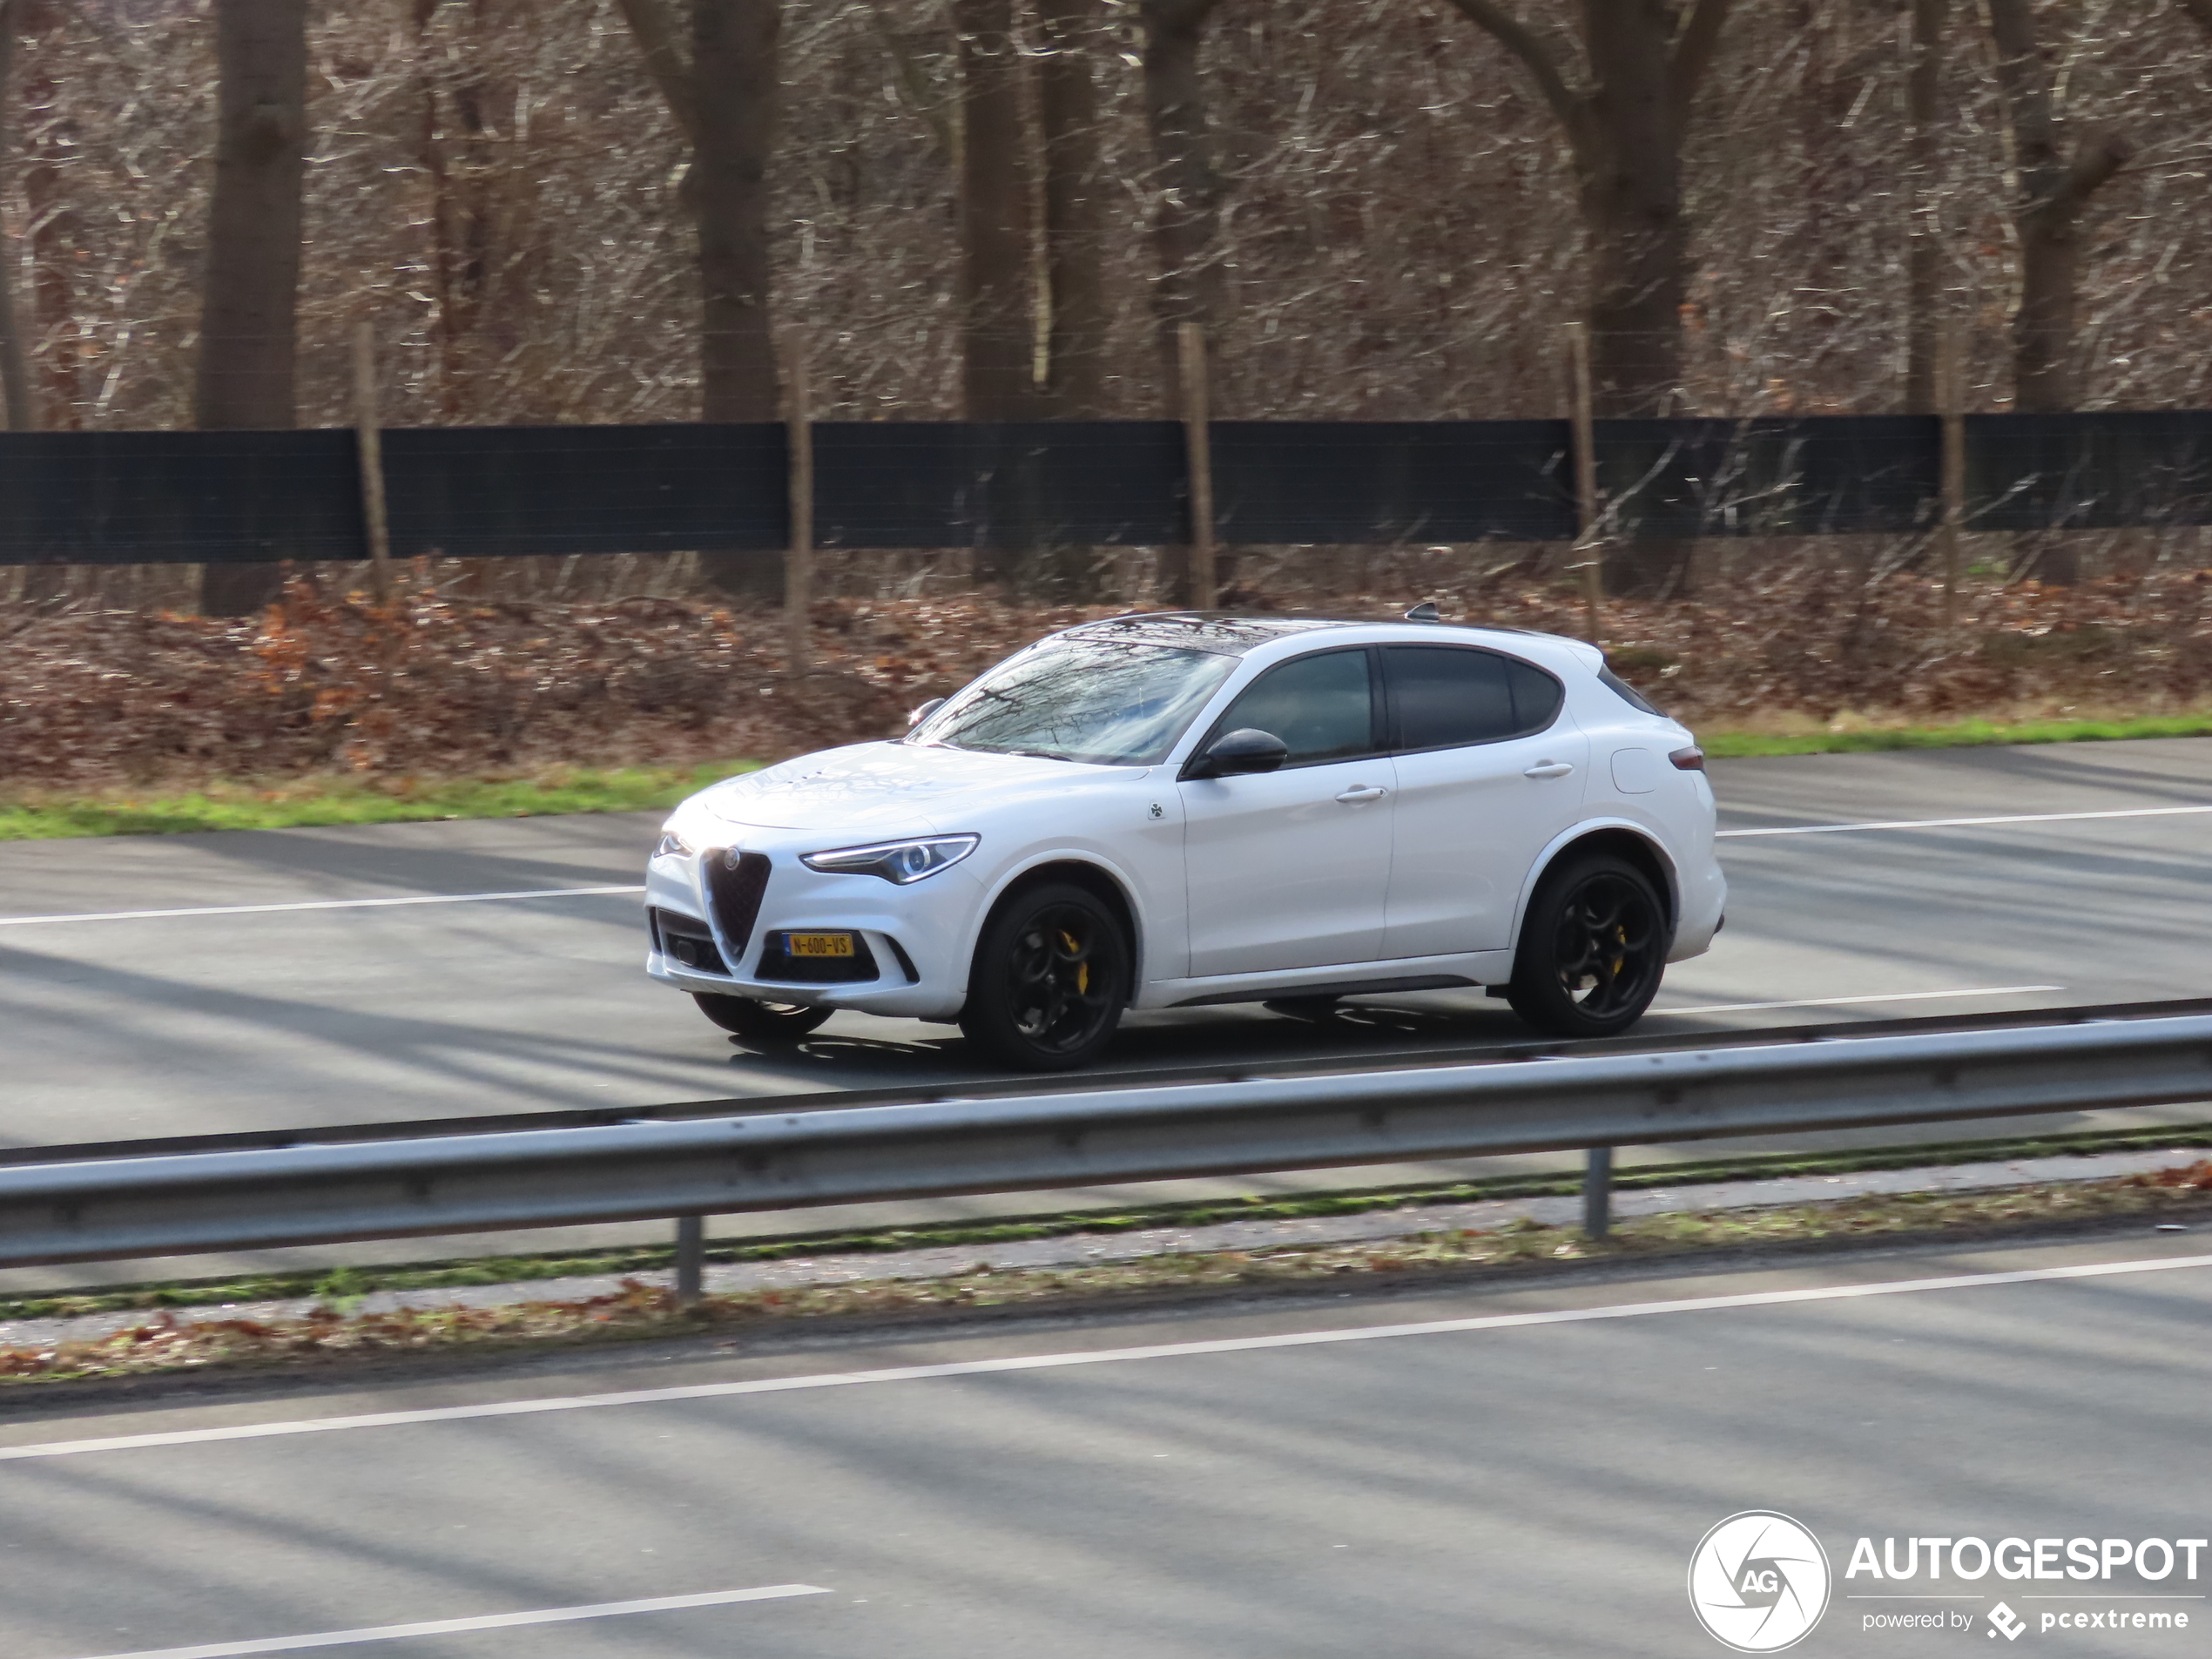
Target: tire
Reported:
point(762, 1025)
point(1050, 979)
point(1593, 949)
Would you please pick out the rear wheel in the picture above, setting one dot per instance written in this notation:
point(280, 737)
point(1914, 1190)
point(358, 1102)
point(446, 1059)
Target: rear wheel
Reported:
point(1593, 949)
point(1050, 979)
point(762, 1024)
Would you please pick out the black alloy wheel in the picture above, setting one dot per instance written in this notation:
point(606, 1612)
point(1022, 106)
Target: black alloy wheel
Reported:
point(1593, 950)
point(762, 1025)
point(1050, 979)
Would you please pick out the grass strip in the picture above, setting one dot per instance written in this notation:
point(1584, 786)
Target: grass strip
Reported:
point(1965, 734)
point(325, 801)
point(638, 1311)
point(342, 1284)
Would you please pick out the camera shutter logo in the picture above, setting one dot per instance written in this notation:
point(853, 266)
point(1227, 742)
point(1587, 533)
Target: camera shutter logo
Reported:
point(1759, 1581)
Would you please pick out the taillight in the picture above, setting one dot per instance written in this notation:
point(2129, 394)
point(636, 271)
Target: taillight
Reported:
point(1689, 759)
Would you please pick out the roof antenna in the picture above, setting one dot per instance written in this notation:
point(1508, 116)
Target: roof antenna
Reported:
point(1424, 611)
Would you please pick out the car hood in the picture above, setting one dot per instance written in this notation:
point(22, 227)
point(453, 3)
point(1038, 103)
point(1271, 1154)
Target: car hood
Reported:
point(883, 789)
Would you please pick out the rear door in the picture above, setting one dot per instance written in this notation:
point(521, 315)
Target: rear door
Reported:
point(1290, 869)
point(1489, 771)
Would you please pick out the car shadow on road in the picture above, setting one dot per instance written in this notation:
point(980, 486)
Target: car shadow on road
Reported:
point(1167, 1040)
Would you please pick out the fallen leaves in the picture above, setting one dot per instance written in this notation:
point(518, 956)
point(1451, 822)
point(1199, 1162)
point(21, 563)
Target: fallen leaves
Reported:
point(329, 1334)
point(434, 688)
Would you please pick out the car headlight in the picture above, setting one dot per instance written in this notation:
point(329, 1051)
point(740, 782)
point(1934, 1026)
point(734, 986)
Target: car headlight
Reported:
point(673, 845)
point(895, 861)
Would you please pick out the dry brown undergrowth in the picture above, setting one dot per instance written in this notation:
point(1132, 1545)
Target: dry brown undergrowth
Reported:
point(166, 1343)
point(439, 685)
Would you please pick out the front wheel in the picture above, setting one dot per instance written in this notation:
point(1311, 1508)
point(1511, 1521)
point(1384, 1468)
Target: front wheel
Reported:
point(1050, 979)
point(764, 1025)
point(1593, 949)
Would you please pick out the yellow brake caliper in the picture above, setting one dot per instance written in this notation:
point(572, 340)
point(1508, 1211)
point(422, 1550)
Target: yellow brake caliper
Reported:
point(1083, 969)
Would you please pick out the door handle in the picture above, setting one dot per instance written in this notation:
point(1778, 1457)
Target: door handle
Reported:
point(1359, 792)
point(1548, 769)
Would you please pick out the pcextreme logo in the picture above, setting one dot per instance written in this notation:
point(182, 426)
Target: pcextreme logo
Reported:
point(1759, 1581)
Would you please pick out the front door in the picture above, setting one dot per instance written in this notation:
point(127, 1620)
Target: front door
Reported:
point(1290, 869)
point(1490, 772)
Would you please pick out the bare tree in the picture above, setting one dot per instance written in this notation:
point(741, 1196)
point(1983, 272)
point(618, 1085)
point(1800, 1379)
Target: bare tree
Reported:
point(1074, 215)
point(14, 372)
point(50, 139)
point(998, 378)
point(723, 93)
point(478, 212)
point(1923, 246)
point(2053, 189)
point(1186, 227)
point(1624, 127)
point(248, 330)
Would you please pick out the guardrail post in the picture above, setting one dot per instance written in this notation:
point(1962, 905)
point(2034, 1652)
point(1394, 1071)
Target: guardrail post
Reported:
point(691, 1259)
point(1597, 1193)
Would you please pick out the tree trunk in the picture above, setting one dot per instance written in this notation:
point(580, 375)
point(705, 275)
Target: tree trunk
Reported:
point(1074, 292)
point(998, 371)
point(1186, 232)
point(2053, 194)
point(723, 96)
point(1631, 191)
point(248, 321)
point(2048, 220)
point(734, 75)
point(54, 227)
point(734, 69)
point(1074, 237)
point(15, 369)
point(476, 272)
point(1923, 246)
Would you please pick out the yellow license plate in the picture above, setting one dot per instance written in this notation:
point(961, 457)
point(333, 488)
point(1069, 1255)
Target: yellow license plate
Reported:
point(822, 944)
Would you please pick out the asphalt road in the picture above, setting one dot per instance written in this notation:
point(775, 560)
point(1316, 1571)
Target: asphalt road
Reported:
point(120, 1024)
point(1272, 1482)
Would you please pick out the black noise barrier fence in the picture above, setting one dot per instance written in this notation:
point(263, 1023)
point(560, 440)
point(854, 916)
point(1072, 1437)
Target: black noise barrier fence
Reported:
point(148, 497)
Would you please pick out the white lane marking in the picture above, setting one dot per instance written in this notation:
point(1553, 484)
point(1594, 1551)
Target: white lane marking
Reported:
point(315, 904)
point(1840, 1001)
point(1094, 1357)
point(1961, 823)
point(489, 1621)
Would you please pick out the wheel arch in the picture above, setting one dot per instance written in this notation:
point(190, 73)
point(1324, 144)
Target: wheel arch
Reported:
point(1631, 842)
point(1094, 878)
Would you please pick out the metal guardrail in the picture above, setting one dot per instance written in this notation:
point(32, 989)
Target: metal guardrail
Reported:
point(1651, 1036)
point(108, 1209)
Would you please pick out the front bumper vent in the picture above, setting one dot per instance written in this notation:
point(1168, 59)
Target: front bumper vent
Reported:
point(686, 939)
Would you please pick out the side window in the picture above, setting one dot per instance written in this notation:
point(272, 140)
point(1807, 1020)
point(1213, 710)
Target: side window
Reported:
point(1446, 696)
point(1322, 706)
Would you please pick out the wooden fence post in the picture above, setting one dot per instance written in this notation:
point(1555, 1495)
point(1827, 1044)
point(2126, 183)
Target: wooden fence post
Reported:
point(1588, 552)
point(1198, 448)
point(798, 556)
point(1951, 401)
point(369, 443)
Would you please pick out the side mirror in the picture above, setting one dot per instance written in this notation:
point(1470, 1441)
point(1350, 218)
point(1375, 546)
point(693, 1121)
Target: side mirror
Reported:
point(915, 717)
point(1235, 753)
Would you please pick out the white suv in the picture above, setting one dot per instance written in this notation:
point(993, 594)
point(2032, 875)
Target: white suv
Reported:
point(1192, 808)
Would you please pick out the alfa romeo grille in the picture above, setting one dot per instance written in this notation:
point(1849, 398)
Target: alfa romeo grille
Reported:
point(733, 894)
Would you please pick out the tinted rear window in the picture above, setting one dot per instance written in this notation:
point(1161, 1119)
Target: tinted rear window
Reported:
point(1625, 693)
point(1445, 696)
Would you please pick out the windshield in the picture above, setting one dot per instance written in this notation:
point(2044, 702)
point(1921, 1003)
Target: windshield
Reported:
point(1112, 703)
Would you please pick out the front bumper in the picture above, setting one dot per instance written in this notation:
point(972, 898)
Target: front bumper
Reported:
point(925, 927)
